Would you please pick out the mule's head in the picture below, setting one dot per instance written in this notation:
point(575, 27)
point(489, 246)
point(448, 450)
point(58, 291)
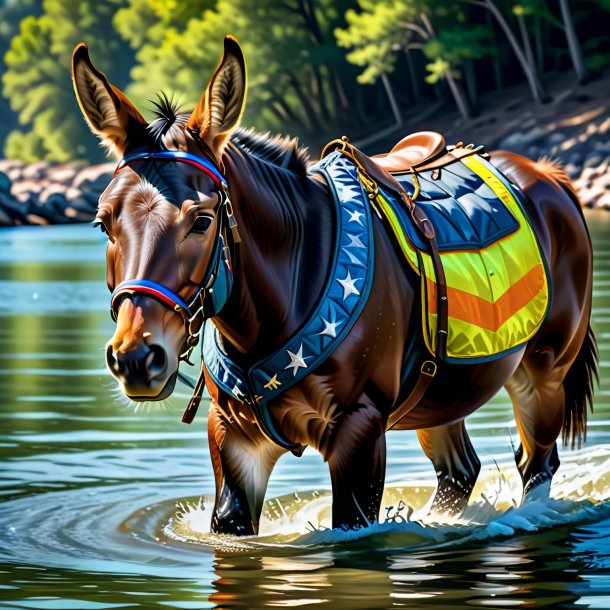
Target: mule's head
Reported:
point(166, 214)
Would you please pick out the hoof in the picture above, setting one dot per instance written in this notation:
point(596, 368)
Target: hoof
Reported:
point(538, 488)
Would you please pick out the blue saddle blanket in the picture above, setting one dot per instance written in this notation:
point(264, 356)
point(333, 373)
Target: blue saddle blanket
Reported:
point(465, 212)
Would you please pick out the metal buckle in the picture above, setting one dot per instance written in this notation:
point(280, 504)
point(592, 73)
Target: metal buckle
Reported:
point(428, 368)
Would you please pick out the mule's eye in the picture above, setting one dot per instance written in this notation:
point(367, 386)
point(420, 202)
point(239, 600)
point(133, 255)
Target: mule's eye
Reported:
point(202, 224)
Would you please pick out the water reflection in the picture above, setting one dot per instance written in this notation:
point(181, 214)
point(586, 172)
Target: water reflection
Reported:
point(88, 487)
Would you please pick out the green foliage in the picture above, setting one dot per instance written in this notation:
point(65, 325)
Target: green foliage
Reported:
point(316, 67)
point(37, 82)
point(377, 34)
point(294, 65)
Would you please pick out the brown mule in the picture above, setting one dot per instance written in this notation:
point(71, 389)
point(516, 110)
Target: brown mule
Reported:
point(163, 221)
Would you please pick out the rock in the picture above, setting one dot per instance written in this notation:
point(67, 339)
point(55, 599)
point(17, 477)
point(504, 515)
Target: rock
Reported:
point(601, 146)
point(50, 191)
point(35, 171)
point(16, 210)
point(5, 183)
point(556, 138)
point(603, 201)
point(24, 190)
point(572, 170)
point(576, 158)
point(594, 160)
point(65, 174)
point(6, 164)
point(519, 140)
point(94, 178)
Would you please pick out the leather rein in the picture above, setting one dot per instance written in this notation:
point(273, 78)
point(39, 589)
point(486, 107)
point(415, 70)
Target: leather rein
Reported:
point(214, 290)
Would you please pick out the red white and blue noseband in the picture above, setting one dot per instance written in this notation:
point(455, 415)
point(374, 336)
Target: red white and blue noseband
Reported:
point(214, 291)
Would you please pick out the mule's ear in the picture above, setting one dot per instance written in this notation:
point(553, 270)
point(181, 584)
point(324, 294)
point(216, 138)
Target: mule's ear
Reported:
point(111, 116)
point(220, 108)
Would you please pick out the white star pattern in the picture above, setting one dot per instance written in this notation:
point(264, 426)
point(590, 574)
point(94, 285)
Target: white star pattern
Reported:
point(330, 328)
point(348, 285)
point(350, 192)
point(296, 361)
point(354, 242)
point(353, 258)
point(355, 217)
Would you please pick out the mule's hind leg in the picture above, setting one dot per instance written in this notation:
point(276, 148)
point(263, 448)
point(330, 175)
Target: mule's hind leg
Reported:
point(456, 464)
point(538, 403)
point(356, 459)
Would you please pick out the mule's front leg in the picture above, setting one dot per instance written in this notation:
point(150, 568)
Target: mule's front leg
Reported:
point(356, 459)
point(243, 460)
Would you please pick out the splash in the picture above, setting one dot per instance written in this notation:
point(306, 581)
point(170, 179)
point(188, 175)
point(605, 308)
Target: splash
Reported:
point(578, 496)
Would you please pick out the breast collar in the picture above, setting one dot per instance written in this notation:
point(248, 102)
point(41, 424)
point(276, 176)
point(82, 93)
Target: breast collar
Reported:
point(213, 292)
point(344, 296)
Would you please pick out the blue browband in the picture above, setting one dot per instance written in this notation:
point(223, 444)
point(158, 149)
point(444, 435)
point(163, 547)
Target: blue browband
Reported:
point(201, 163)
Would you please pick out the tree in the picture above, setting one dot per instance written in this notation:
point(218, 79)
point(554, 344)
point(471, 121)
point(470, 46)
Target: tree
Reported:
point(11, 14)
point(298, 77)
point(382, 29)
point(576, 54)
point(37, 81)
point(524, 57)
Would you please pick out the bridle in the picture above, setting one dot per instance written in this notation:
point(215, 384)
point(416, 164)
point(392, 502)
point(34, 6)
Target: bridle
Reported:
point(215, 288)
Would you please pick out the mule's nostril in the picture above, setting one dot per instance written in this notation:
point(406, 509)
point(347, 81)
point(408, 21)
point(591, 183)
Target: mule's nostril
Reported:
point(115, 366)
point(156, 361)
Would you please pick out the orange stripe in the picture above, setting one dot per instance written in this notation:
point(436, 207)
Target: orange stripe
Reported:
point(480, 312)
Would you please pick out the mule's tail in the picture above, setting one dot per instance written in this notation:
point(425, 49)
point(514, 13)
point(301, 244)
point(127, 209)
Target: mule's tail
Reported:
point(578, 386)
point(579, 383)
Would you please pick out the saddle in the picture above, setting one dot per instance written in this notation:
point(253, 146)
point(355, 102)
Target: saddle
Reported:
point(461, 225)
point(414, 150)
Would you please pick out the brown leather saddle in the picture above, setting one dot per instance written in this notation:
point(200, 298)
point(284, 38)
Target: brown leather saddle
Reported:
point(412, 151)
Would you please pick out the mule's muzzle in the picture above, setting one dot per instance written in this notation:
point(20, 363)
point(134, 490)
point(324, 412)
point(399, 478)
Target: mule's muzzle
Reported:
point(142, 371)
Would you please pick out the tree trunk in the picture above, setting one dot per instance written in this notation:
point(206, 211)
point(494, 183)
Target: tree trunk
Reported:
point(459, 97)
point(391, 98)
point(412, 76)
point(321, 94)
point(495, 61)
point(576, 54)
point(538, 91)
point(527, 45)
point(312, 118)
point(471, 82)
point(538, 43)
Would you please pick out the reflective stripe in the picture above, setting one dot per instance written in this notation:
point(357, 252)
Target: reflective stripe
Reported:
point(498, 295)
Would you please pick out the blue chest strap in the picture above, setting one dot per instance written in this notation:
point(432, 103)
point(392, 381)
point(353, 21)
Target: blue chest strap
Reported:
point(345, 295)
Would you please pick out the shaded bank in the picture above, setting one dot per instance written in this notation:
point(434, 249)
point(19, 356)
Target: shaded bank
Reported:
point(573, 128)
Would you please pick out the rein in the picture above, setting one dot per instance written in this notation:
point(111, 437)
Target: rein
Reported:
point(214, 291)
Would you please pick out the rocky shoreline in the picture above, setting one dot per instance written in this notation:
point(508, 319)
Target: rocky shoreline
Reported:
point(46, 193)
point(574, 129)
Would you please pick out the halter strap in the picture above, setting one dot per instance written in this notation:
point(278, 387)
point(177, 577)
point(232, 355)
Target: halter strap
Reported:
point(201, 163)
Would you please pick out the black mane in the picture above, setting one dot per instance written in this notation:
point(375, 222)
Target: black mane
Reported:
point(167, 112)
point(282, 151)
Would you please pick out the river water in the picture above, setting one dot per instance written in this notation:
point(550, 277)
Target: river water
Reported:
point(105, 507)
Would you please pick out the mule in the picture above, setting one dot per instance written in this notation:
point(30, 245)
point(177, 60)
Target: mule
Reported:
point(165, 219)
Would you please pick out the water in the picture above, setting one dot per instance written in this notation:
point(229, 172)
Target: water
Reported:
point(104, 507)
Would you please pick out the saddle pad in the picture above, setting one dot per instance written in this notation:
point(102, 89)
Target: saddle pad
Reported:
point(497, 284)
point(464, 210)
